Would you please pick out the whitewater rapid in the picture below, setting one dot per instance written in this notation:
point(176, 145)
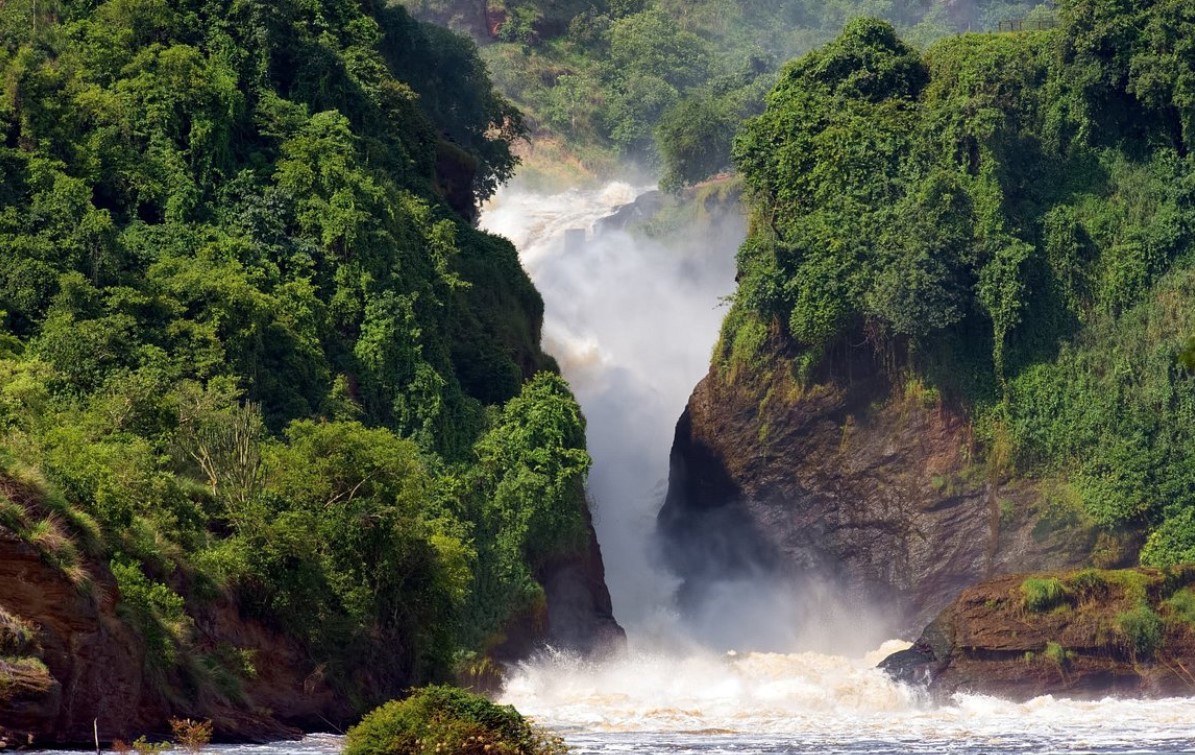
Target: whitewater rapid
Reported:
point(813, 702)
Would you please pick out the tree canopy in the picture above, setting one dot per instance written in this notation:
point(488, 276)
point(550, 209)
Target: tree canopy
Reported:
point(1008, 216)
point(252, 344)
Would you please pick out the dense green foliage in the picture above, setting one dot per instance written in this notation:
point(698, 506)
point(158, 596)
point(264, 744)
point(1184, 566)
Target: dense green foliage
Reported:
point(665, 82)
point(250, 345)
point(1009, 215)
point(447, 720)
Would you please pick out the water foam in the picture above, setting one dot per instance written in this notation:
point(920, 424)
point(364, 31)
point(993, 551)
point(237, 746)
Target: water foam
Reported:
point(747, 702)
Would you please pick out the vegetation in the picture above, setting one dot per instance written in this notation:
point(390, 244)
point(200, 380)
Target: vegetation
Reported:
point(1140, 615)
point(1142, 629)
point(1008, 218)
point(252, 348)
point(447, 720)
point(191, 736)
point(1058, 655)
point(1040, 595)
point(666, 82)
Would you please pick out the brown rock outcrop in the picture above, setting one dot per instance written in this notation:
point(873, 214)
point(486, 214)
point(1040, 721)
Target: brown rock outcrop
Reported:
point(91, 661)
point(856, 478)
point(1104, 633)
point(70, 661)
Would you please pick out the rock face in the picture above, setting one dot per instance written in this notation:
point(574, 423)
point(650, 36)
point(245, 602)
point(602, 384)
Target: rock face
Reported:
point(1103, 633)
point(856, 479)
point(70, 660)
point(577, 614)
point(580, 613)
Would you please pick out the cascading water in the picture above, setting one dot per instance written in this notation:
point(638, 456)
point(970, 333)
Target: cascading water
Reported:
point(632, 324)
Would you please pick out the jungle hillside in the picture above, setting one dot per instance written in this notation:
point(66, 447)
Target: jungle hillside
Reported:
point(254, 353)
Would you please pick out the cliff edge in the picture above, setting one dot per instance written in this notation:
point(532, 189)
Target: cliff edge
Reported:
point(857, 478)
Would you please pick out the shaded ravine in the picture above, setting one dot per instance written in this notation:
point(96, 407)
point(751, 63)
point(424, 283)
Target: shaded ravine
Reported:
point(631, 322)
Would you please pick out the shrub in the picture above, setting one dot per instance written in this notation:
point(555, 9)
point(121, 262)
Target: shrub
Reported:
point(190, 735)
point(1142, 628)
point(1059, 655)
point(442, 719)
point(1039, 595)
point(1088, 583)
point(1182, 606)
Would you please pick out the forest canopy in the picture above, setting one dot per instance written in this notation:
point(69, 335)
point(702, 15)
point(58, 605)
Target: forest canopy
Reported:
point(1009, 217)
point(251, 345)
point(663, 83)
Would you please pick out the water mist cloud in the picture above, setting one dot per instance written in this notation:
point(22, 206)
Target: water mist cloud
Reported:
point(632, 322)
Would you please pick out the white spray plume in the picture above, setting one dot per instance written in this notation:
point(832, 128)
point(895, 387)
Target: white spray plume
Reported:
point(631, 322)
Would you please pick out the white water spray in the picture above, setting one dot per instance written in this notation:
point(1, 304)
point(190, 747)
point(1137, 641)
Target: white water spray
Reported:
point(632, 323)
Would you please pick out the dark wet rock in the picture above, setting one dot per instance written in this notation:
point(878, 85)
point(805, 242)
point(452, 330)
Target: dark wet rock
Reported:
point(577, 614)
point(645, 207)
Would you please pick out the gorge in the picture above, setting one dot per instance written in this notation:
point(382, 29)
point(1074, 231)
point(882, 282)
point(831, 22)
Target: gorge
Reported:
point(307, 397)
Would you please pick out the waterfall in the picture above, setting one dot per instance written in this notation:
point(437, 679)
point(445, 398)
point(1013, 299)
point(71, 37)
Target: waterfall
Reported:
point(631, 322)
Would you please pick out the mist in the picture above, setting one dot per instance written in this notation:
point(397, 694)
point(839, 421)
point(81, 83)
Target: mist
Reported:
point(632, 322)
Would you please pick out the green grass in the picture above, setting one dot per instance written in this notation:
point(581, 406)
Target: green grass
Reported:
point(1039, 595)
point(1181, 606)
point(1057, 654)
point(1142, 630)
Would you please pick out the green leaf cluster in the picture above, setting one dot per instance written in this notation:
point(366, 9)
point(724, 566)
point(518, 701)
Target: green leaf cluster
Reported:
point(443, 719)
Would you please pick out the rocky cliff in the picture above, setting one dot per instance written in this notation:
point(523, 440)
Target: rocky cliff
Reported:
point(867, 480)
point(1080, 634)
point(72, 659)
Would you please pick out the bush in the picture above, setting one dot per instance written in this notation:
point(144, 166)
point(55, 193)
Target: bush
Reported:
point(442, 719)
point(1057, 654)
point(1039, 595)
point(191, 735)
point(1182, 606)
point(1088, 584)
point(1142, 628)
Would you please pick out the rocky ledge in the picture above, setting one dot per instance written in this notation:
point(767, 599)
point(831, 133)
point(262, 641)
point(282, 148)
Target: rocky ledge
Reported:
point(1080, 634)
